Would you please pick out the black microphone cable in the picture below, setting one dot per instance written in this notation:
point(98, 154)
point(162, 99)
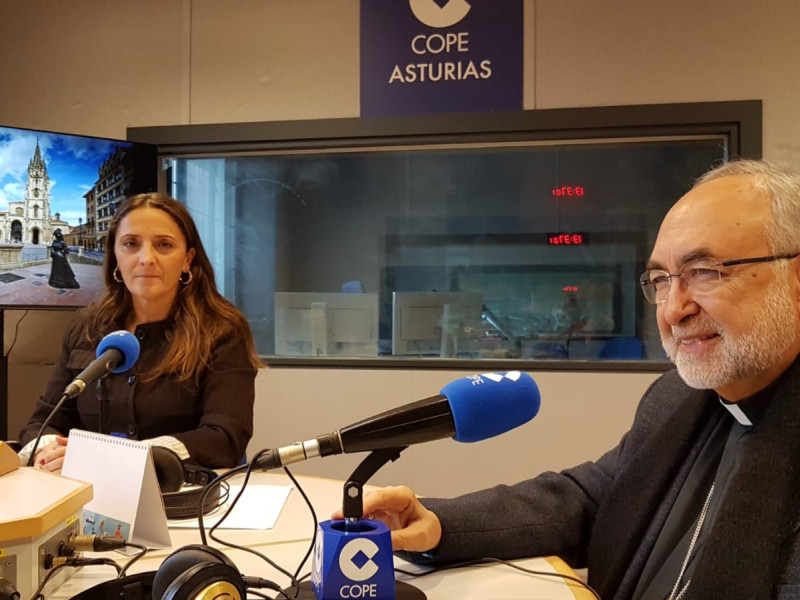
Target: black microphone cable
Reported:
point(294, 589)
point(297, 578)
point(221, 500)
point(219, 480)
point(56, 408)
point(8, 590)
point(73, 562)
point(142, 551)
point(291, 576)
point(94, 543)
point(248, 468)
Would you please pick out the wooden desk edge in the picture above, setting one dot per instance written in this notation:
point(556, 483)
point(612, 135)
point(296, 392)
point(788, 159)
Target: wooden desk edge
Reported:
point(580, 592)
point(47, 518)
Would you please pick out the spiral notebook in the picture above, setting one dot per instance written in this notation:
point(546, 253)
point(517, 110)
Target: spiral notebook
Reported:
point(127, 500)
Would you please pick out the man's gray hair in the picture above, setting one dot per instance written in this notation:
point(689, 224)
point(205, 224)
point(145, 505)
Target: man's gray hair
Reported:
point(783, 189)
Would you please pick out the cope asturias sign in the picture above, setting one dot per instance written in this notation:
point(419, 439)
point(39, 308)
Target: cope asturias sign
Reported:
point(423, 56)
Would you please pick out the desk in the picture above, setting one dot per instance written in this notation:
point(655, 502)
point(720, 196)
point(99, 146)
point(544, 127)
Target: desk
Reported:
point(289, 540)
point(37, 511)
point(40, 501)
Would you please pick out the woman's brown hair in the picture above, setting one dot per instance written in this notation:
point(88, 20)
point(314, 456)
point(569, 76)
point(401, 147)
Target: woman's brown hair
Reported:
point(202, 315)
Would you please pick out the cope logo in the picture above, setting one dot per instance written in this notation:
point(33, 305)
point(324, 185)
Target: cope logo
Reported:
point(496, 377)
point(318, 554)
point(359, 547)
point(436, 14)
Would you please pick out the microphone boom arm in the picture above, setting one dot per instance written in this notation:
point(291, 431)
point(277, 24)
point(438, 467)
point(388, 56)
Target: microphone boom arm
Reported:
point(352, 493)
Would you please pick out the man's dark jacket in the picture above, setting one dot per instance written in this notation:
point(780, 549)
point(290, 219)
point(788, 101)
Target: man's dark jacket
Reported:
point(606, 515)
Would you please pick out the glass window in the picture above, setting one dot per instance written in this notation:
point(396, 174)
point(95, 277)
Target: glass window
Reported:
point(495, 251)
point(447, 238)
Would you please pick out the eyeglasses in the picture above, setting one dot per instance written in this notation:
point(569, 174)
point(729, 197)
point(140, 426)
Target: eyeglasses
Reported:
point(697, 278)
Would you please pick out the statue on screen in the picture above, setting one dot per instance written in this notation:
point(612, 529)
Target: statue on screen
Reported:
point(61, 275)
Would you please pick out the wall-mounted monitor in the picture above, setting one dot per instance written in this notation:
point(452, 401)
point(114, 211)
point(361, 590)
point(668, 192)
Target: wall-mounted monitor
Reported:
point(322, 324)
point(58, 193)
point(444, 324)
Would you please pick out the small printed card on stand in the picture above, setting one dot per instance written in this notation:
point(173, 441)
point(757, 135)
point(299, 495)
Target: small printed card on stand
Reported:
point(127, 500)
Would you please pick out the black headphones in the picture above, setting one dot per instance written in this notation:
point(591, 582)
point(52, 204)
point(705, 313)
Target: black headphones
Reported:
point(198, 571)
point(190, 573)
point(195, 572)
point(130, 587)
point(173, 474)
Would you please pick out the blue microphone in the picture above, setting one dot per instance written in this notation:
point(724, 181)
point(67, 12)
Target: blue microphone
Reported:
point(487, 405)
point(469, 409)
point(116, 353)
point(353, 557)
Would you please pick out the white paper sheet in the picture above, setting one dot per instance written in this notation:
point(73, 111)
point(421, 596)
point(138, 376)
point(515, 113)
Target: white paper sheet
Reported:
point(258, 508)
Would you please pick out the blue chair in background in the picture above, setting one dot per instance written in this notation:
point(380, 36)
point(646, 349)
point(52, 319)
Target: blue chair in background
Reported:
point(622, 348)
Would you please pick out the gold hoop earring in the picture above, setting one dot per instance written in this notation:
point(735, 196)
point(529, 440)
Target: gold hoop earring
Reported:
point(116, 275)
point(185, 280)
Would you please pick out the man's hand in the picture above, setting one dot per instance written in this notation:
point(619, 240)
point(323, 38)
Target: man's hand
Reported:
point(414, 527)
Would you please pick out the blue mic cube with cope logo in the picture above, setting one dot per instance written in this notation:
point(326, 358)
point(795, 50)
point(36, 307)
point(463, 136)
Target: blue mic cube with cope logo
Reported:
point(353, 560)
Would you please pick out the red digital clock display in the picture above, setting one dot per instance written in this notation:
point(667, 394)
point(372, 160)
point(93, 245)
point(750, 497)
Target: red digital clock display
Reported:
point(568, 190)
point(566, 239)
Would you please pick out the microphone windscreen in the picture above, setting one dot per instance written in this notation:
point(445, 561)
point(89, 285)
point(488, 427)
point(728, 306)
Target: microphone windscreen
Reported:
point(490, 404)
point(126, 343)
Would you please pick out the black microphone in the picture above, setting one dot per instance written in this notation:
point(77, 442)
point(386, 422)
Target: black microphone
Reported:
point(117, 352)
point(468, 410)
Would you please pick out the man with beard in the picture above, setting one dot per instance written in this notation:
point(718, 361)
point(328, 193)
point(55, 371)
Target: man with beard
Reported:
point(701, 498)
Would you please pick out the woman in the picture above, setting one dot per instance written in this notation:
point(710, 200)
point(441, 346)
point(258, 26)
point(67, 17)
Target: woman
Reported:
point(192, 388)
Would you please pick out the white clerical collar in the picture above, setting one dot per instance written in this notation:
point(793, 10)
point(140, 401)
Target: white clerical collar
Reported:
point(736, 411)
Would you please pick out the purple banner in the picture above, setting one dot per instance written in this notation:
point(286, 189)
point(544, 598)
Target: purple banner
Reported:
point(427, 56)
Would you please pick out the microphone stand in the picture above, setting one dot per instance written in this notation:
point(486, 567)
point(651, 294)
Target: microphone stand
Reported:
point(372, 537)
point(103, 403)
point(352, 493)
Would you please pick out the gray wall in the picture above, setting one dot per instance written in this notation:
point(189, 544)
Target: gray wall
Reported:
point(97, 67)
